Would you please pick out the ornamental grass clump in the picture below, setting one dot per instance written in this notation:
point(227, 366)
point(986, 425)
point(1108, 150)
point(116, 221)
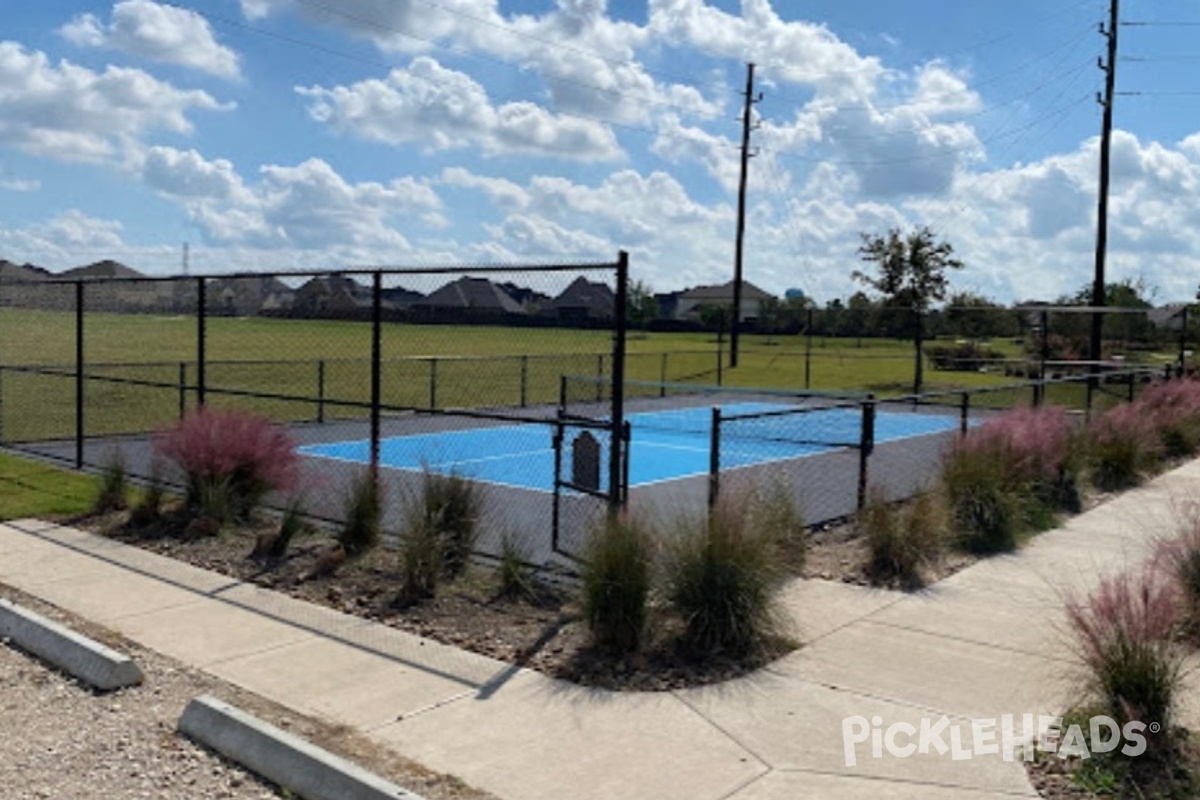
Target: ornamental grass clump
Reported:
point(616, 576)
point(1174, 409)
point(362, 514)
point(230, 460)
point(452, 507)
point(1180, 560)
point(1009, 475)
point(1123, 444)
point(901, 543)
point(1124, 636)
point(722, 578)
point(113, 486)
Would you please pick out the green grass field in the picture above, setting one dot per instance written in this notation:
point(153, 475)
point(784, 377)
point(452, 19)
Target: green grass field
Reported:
point(31, 489)
point(445, 366)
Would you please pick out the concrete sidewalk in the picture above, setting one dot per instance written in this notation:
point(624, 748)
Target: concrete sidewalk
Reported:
point(983, 643)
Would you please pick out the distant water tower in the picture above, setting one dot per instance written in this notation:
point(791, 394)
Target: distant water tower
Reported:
point(794, 294)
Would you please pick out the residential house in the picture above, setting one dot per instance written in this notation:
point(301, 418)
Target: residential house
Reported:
point(1168, 317)
point(248, 296)
point(692, 300)
point(468, 300)
point(334, 297)
point(531, 300)
point(584, 302)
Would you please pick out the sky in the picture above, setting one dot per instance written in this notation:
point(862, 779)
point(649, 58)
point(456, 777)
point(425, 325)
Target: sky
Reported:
point(312, 134)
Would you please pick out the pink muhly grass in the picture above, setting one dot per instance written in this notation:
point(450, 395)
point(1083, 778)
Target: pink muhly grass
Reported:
point(1034, 442)
point(248, 452)
point(1124, 635)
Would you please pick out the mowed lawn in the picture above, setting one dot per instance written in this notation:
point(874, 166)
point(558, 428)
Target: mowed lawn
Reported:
point(425, 365)
point(32, 489)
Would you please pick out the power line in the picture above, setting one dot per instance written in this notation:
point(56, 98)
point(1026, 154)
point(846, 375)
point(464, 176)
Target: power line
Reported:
point(1071, 44)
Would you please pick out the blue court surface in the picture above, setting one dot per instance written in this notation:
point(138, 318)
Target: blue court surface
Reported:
point(666, 445)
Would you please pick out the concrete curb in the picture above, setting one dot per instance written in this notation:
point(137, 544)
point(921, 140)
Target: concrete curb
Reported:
point(280, 757)
point(88, 660)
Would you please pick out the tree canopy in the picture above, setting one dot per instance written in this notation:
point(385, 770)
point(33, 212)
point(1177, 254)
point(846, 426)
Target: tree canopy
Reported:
point(911, 268)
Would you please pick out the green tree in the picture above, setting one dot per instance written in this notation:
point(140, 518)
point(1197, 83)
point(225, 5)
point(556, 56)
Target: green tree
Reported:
point(910, 274)
point(973, 316)
point(641, 307)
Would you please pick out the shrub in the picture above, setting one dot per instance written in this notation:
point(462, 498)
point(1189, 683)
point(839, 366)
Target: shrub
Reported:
point(362, 514)
point(1122, 445)
point(113, 486)
point(451, 505)
point(962, 357)
point(616, 580)
point(902, 542)
point(722, 578)
point(247, 453)
point(1123, 634)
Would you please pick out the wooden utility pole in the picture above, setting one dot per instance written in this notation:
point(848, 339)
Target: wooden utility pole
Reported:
point(1110, 81)
point(747, 126)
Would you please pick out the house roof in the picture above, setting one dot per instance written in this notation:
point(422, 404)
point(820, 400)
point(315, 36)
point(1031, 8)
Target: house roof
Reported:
point(583, 293)
point(476, 293)
point(15, 272)
point(103, 269)
point(723, 293)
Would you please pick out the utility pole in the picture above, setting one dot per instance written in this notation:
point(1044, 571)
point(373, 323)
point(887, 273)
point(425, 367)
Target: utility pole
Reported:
point(186, 259)
point(735, 322)
point(1110, 81)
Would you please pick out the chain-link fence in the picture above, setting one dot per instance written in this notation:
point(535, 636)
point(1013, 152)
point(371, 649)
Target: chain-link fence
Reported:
point(690, 443)
point(397, 371)
point(523, 380)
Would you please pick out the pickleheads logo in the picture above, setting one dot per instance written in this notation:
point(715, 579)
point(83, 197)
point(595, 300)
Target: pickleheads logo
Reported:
point(990, 737)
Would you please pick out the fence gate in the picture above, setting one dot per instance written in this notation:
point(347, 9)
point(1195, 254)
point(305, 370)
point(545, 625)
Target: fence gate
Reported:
point(582, 496)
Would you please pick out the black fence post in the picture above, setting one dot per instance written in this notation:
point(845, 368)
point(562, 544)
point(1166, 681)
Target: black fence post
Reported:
point(714, 459)
point(965, 413)
point(182, 389)
point(79, 370)
point(808, 350)
point(321, 391)
point(662, 376)
point(616, 446)
point(1132, 376)
point(555, 499)
point(433, 379)
point(865, 445)
point(376, 367)
point(524, 381)
point(1183, 328)
point(201, 340)
point(599, 377)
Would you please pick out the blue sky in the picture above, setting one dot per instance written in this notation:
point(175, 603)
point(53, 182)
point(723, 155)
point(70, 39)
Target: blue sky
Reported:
point(276, 134)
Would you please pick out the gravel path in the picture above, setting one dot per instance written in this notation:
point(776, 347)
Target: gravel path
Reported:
point(59, 739)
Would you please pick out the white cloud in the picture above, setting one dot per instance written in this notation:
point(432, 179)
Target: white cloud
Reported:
point(158, 32)
point(75, 230)
point(71, 113)
point(307, 206)
point(797, 52)
point(427, 104)
point(20, 184)
point(504, 193)
point(587, 60)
